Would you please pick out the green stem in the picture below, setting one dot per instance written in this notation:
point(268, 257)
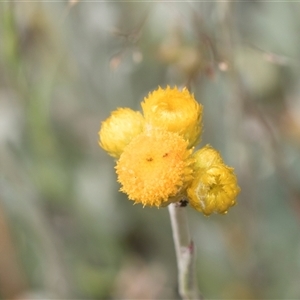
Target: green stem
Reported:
point(185, 253)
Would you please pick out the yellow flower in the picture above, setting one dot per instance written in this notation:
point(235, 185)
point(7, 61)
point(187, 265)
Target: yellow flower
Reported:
point(119, 129)
point(155, 167)
point(205, 157)
point(176, 111)
point(214, 188)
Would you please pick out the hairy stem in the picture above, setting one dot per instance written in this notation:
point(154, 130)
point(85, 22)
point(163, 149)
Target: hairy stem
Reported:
point(185, 253)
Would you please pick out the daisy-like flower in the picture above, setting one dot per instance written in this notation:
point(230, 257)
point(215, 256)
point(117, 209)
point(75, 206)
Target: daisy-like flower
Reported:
point(214, 188)
point(175, 111)
point(155, 168)
point(119, 129)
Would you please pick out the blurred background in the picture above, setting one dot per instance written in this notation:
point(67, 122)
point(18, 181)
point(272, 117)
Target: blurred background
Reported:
point(65, 230)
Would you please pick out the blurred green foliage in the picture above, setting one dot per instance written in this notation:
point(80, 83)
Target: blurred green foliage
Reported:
point(65, 230)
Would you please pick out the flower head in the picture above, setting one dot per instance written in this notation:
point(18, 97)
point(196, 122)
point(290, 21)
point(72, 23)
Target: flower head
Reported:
point(214, 188)
point(155, 167)
point(175, 111)
point(205, 157)
point(119, 129)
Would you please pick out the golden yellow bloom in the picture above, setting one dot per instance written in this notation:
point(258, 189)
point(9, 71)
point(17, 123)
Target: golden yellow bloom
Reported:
point(119, 129)
point(214, 188)
point(154, 167)
point(205, 157)
point(176, 111)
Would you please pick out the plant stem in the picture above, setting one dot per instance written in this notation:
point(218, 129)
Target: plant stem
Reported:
point(185, 253)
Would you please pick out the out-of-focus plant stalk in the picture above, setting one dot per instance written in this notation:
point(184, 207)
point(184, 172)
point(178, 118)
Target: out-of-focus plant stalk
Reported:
point(185, 253)
point(12, 279)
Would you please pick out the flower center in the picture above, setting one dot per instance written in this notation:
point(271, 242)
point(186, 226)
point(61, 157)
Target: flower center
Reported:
point(154, 167)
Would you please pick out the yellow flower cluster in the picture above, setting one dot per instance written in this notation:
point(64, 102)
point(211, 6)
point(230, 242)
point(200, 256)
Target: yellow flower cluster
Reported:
point(156, 165)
